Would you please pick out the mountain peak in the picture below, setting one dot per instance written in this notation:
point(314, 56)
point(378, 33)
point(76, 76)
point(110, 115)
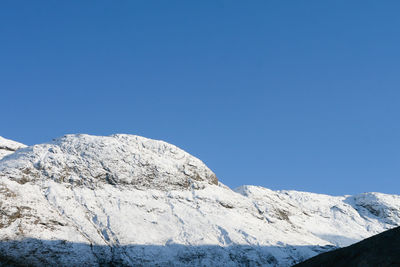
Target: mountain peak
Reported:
point(119, 159)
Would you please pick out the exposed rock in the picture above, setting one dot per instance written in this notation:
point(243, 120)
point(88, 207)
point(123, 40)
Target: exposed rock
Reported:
point(117, 160)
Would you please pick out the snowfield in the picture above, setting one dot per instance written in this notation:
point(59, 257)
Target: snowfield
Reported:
point(126, 200)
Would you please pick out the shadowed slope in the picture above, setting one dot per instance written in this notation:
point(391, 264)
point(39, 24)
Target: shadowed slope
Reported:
point(29, 252)
point(379, 250)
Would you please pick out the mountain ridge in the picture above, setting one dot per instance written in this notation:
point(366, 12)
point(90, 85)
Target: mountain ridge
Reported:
point(122, 194)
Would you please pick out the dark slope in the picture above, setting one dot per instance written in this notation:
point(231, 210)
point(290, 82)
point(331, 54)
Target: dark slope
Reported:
point(380, 250)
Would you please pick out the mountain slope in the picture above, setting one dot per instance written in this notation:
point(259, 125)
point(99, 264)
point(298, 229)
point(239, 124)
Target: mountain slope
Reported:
point(127, 200)
point(8, 147)
point(380, 250)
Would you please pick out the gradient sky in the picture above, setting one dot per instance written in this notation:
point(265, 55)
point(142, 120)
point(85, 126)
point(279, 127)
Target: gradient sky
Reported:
point(297, 95)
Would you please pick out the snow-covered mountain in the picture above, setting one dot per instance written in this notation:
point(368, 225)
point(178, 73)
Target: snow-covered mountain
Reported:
point(126, 200)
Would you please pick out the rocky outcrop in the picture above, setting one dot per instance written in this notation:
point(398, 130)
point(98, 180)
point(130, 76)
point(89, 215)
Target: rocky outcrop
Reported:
point(116, 160)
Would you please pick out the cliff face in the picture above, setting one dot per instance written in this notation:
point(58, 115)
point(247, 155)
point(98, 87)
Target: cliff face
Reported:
point(126, 200)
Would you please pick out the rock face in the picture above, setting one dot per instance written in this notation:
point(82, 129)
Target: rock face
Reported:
point(380, 250)
point(117, 160)
point(125, 200)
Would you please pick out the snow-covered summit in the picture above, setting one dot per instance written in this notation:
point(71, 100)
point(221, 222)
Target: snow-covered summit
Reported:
point(8, 146)
point(126, 200)
point(118, 160)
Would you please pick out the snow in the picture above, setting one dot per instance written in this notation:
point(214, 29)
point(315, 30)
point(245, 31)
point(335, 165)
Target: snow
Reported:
point(130, 200)
point(118, 160)
point(8, 147)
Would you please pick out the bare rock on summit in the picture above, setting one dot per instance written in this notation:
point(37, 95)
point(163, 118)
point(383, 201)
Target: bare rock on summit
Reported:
point(117, 160)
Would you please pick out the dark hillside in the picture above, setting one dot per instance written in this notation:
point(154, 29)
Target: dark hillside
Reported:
point(380, 250)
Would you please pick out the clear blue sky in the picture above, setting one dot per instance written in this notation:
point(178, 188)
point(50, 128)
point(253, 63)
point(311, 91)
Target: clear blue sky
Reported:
point(298, 95)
